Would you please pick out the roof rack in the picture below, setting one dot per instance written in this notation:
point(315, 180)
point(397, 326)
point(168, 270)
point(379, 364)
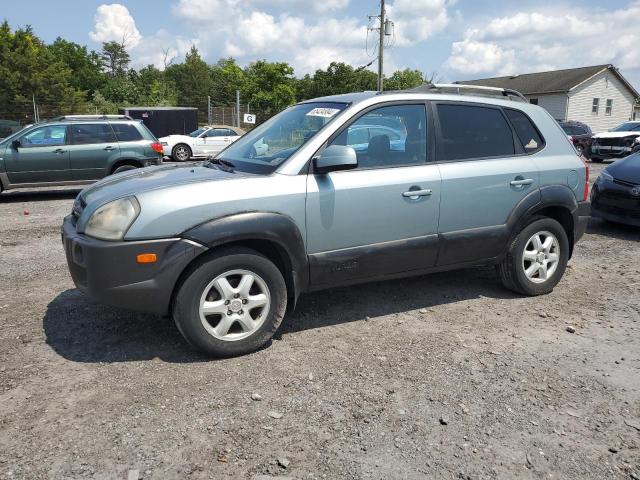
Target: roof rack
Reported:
point(462, 89)
point(90, 117)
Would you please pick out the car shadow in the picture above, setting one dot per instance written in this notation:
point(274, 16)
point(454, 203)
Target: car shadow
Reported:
point(618, 231)
point(38, 195)
point(80, 330)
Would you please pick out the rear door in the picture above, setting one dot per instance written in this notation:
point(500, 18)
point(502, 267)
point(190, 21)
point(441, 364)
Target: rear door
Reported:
point(42, 157)
point(93, 147)
point(486, 171)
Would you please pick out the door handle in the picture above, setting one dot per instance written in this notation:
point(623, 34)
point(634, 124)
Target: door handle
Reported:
point(108, 148)
point(414, 194)
point(59, 150)
point(520, 182)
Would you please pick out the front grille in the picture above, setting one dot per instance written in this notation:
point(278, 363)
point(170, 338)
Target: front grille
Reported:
point(78, 207)
point(609, 142)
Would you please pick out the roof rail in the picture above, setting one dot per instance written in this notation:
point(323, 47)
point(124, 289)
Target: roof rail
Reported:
point(90, 117)
point(462, 89)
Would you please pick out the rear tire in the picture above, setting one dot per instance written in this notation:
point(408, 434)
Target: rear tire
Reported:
point(124, 168)
point(230, 302)
point(181, 152)
point(537, 258)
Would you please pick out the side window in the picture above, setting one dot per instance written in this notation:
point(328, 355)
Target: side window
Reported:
point(83, 134)
point(50, 136)
point(218, 132)
point(526, 131)
point(125, 132)
point(388, 136)
point(468, 131)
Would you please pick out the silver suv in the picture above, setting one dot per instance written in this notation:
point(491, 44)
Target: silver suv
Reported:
point(331, 192)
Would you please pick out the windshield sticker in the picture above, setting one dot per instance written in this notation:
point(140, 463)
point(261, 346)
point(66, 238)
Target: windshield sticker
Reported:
point(323, 112)
point(531, 144)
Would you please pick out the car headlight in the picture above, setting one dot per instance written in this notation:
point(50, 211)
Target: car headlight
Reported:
point(111, 221)
point(605, 176)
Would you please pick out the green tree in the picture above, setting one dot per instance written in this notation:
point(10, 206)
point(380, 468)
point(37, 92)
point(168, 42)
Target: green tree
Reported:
point(269, 87)
point(154, 89)
point(115, 58)
point(85, 66)
point(336, 79)
point(28, 71)
point(226, 77)
point(193, 82)
point(404, 79)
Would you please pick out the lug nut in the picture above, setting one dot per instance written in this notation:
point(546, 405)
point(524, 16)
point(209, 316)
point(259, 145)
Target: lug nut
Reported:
point(237, 295)
point(244, 301)
point(229, 312)
point(226, 302)
point(240, 312)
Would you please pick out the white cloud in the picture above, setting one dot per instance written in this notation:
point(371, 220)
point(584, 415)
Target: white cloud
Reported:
point(546, 39)
point(417, 20)
point(113, 22)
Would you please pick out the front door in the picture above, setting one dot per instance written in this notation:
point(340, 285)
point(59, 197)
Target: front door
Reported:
point(92, 148)
point(484, 157)
point(381, 218)
point(41, 157)
point(213, 140)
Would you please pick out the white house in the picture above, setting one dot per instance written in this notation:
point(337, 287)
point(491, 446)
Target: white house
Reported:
point(598, 96)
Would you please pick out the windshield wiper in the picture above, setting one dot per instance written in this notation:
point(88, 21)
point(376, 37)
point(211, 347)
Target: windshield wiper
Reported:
point(225, 164)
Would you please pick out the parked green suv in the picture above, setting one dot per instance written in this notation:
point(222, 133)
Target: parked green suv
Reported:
point(75, 150)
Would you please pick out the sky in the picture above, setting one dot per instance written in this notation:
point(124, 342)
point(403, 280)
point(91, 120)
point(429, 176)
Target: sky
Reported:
point(455, 39)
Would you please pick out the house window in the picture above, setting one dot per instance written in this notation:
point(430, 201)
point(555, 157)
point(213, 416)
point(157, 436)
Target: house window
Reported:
point(595, 106)
point(609, 107)
point(533, 101)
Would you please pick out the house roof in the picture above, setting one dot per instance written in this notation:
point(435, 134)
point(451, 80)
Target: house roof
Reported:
point(554, 81)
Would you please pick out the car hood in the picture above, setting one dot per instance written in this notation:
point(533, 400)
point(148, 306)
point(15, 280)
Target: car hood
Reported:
point(616, 134)
point(141, 180)
point(627, 169)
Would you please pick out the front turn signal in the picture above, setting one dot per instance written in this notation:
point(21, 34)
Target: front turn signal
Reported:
point(147, 258)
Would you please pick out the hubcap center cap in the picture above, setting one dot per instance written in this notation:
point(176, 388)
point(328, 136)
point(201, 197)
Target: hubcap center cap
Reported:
point(235, 305)
point(541, 257)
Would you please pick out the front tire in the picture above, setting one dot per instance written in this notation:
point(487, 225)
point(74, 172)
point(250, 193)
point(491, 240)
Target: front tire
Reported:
point(181, 152)
point(537, 258)
point(230, 303)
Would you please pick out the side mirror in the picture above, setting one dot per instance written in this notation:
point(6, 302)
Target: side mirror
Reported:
point(16, 144)
point(334, 158)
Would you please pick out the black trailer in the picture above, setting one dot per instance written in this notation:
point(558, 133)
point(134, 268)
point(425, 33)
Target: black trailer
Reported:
point(163, 121)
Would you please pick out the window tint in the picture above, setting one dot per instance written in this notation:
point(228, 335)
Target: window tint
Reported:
point(92, 133)
point(388, 136)
point(125, 132)
point(473, 132)
point(46, 136)
point(527, 133)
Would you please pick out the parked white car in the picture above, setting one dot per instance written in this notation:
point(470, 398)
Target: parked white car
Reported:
point(202, 142)
point(616, 143)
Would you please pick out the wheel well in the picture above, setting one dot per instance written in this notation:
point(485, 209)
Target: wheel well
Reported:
point(563, 216)
point(180, 143)
point(269, 249)
point(120, 163)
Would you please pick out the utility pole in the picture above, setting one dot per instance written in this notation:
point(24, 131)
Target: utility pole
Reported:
point(238, 108)
point(384, 28)
point(209, 111)
point(381, 48)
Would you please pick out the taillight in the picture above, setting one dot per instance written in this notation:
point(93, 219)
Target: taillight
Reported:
point(157, 147)
point(586, 179)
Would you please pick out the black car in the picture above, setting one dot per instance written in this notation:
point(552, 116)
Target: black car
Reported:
point(616, 194)
point(580, 135)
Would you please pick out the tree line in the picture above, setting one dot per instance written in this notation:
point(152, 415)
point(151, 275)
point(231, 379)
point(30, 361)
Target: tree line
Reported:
point(65, 77)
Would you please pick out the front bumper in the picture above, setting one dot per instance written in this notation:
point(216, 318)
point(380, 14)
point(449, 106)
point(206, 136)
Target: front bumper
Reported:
point(615, 203)
point(108, 271)
point(609, 151)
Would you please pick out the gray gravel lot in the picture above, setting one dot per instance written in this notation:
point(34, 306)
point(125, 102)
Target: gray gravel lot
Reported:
point(445, 376)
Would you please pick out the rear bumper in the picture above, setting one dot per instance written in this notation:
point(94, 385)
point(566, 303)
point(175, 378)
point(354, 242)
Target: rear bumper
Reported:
point(108, 271)
point(583, 214)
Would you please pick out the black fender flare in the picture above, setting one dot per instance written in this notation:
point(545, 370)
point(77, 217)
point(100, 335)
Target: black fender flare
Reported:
point(271, 227)
point(547, 196)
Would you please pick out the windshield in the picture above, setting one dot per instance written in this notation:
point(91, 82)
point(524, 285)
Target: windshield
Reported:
point(265, 147)
point(627, 127)
point(198, 132)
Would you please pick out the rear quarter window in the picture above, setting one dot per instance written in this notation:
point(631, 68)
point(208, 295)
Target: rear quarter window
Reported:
point(526, 131)
point(126, 132)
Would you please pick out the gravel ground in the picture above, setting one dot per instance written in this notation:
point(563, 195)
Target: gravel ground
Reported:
point(445, 376)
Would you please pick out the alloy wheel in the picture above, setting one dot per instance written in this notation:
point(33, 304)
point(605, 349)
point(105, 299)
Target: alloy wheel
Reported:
point(182, 153)
point(541, 257)
point(234, 305)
